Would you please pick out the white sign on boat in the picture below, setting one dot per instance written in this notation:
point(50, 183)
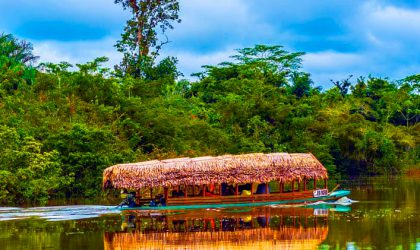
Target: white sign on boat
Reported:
point(320, 192)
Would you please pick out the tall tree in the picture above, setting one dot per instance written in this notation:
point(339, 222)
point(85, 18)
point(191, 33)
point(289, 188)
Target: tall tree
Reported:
point(275, 63)
point(140, 42)
point(16, 61)
point(15, 50)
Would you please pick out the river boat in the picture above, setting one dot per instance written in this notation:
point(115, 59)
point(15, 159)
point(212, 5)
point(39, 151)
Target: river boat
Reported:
point(222, 182)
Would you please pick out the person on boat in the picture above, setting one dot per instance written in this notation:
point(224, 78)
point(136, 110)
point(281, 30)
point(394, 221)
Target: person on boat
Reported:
point(124, 193)
point(209, 191)
point(227, 190)
point(153, 203)
point(163, 201)
point(160, 200)
point(261, 189)
point(175, 194)
point(181, 193)
point(245, 190)
point(246, 193)
point(211, 188)
point(129, 200)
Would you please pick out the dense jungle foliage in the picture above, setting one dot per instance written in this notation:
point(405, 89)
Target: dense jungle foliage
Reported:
point(62, 125)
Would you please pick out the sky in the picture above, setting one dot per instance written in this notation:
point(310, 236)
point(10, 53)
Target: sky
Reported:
point(340, 37)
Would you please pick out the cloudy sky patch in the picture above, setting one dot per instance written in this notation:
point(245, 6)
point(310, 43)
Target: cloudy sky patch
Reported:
point(340, 37)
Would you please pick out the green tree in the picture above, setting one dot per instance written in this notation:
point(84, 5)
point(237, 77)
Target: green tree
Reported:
point(26, 172)
point(302, 84)
point(343, 85)
point(15, 50)
point(273, 63)
point(140, 42)
point(16, 61)
point(56, 69)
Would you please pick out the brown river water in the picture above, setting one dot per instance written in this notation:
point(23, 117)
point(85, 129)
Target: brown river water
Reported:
point(386, 217)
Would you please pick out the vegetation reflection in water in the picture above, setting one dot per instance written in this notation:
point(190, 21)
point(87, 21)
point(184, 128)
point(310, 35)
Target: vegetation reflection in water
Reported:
point(386, 217)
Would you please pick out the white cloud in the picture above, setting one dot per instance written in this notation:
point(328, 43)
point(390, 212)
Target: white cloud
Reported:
point(332, 65)
point(384, 38)
point(191, 62)
point(394, 19)
point(77, 52)
point(204, 15)
point(389, 27)
point(330, 60)
point(213, 25)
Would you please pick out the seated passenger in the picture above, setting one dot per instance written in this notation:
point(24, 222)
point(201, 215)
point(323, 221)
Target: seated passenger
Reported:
point(246, 193)
point(152, 203)
point(130, 199)
point(261, 189)
point(245, 190)
point(175, 194)
point(162, 201)
point(228, 190)
point(181, 193)
point(209, 191)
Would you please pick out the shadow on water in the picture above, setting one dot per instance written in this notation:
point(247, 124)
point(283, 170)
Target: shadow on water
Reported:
point(387, 217)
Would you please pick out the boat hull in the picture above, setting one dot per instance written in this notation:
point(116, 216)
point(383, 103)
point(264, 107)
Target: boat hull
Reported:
point(262, 200)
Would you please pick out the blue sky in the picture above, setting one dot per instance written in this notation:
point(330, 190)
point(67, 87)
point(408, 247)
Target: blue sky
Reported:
point(340, 37)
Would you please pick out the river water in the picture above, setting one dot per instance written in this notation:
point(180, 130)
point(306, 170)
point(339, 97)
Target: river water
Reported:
point(386, 217)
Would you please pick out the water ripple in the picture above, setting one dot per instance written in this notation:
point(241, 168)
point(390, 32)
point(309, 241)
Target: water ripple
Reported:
point(59, 213)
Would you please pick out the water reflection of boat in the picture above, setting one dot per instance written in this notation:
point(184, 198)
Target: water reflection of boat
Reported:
point(257, 229)
point(225, 181)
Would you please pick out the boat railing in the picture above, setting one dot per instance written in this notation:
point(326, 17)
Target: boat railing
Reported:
point(240, 198)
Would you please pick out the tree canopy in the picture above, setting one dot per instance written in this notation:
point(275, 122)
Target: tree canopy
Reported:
point(61, 126)
point(140, 43)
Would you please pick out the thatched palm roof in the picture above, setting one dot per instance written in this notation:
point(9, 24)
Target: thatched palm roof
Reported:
point(222, 169)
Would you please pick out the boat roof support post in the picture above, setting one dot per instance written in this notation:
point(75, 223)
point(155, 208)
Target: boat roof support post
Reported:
point(165, 193)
